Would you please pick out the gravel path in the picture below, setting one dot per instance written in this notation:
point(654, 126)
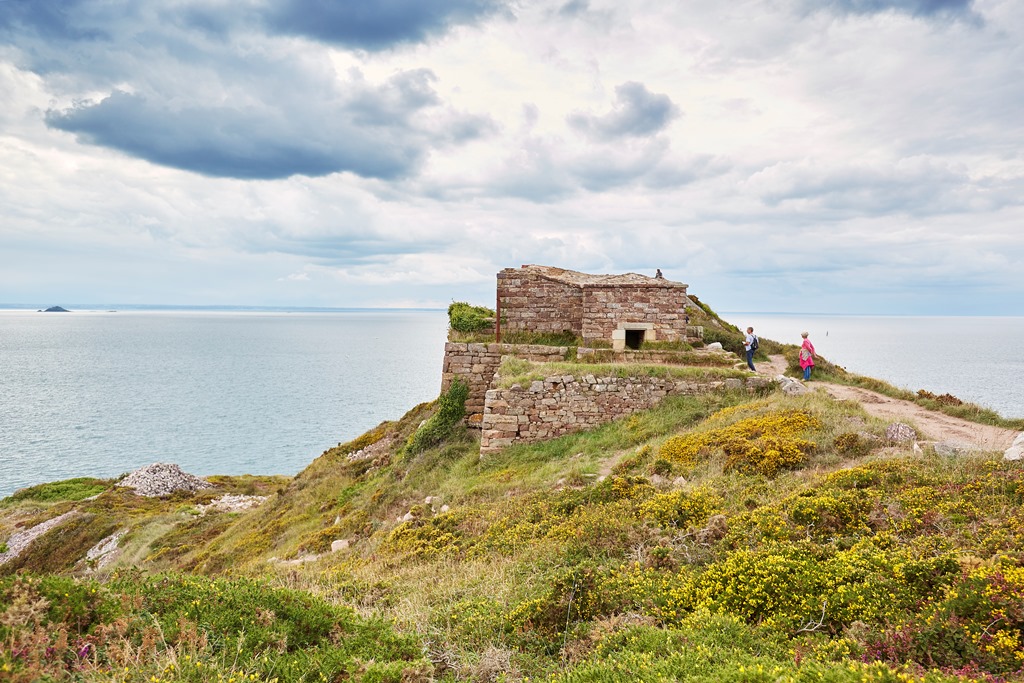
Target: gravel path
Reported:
point(931, 425)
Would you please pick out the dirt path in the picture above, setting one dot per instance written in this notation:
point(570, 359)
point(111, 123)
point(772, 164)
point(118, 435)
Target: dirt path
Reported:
point(931, 425)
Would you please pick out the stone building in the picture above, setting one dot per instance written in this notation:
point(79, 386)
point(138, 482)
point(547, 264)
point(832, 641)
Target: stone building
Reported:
point(625, 310)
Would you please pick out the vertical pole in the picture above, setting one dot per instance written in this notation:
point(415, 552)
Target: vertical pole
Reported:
point(497, 315)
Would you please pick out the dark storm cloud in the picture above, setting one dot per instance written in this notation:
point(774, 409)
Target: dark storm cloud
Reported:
point(361, 24)
point(375, 24)
point(924, 8)
point(197, 86)
point(637, 113)
point(371, 131)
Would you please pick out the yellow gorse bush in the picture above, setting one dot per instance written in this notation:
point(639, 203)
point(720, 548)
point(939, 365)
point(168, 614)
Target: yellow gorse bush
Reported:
point(761, 444)
point(682, 509)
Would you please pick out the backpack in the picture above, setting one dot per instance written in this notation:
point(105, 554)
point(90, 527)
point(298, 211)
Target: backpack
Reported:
point(753, 344)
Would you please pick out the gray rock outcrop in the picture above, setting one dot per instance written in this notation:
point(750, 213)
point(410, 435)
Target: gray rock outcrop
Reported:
point(897, 432)
point(948, 448)
point(106, 551)
point(1016, 450)
point(162, 479)
point(231, 503)
point(21, 540)
point(790, 386)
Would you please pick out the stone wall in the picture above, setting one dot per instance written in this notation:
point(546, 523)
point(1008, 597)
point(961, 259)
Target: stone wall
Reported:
point(562, 405)
point(605, 309)
point(476, 364)
point(529, 302)
point(699, 357)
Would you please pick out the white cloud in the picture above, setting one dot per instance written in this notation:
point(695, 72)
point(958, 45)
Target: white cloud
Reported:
point(852, 157)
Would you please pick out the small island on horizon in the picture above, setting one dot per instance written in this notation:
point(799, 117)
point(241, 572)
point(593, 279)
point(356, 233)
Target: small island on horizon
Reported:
point(55, 309)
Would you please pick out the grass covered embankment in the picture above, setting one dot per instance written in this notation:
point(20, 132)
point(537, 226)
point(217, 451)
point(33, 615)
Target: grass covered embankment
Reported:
point(725, 537)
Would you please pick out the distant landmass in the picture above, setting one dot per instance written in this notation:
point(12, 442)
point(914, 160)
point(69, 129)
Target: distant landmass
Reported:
point(56, 309)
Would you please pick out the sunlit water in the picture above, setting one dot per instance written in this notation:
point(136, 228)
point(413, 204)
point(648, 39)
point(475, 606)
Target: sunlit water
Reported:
point(103, 393)
point(977, 359)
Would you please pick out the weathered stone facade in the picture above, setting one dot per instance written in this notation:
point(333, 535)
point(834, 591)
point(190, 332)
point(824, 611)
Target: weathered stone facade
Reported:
point(530, 301)
point(619, 312)
point(562, 405)
point(476, 365)
point(621, 309)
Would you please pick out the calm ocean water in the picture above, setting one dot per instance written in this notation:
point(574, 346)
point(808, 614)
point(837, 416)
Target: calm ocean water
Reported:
point(101, 393)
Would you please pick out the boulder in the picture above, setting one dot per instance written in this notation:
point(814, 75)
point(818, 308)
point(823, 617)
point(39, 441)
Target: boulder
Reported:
point(953, 448)
point(790, 386)
point(340, 544)
point(717, 346)
point(1016, 450)
point(897, 432)
point(104, 552)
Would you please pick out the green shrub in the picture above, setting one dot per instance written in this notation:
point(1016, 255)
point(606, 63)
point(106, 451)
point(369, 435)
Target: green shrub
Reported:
point(979, 619)
point(730, 341)
point(451, 408)
point(465, 318)
point(69, 489)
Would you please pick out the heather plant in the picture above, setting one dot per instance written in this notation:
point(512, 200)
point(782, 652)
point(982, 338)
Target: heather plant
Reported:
point(977, 621)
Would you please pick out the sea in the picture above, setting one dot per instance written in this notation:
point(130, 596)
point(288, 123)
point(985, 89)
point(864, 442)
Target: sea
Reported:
point(99, 393)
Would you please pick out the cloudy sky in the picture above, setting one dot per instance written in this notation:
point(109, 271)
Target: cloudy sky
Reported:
point(829, 156)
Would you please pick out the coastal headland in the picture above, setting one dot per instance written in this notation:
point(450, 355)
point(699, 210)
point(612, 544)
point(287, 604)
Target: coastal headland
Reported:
point(566, 509)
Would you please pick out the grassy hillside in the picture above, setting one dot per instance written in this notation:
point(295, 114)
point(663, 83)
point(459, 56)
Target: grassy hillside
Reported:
point(726, 537)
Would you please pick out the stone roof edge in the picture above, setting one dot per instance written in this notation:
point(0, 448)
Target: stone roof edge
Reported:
point(588, 281)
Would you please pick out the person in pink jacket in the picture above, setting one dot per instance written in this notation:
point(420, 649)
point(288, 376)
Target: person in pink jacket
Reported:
point(806, 356)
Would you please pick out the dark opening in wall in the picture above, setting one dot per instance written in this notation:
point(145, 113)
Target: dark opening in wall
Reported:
point(634, 338)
